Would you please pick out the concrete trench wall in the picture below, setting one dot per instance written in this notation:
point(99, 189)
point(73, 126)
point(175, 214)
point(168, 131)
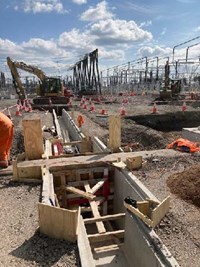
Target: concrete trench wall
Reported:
point(76, 135)
point(142, 246)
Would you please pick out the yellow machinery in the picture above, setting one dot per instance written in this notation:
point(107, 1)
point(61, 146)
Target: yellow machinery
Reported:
point(50, 87)
point(171, 88)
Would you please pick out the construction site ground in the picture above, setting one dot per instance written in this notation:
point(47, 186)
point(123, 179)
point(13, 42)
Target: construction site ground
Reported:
point(21, 243)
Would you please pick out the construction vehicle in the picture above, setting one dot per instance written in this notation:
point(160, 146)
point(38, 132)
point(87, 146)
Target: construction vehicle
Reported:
point(50, 88)
point(170, 88)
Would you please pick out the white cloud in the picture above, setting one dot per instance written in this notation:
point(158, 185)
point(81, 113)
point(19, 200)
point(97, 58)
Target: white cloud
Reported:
point(149, 51)
point(110, 32)
point(146, 23)
point(7, 47)
point(42, 6)
point(99, 12)
point(79, 2)
point(76, 40)
point(44, 47)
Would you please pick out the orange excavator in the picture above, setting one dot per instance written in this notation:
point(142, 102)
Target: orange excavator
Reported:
point(184, 145)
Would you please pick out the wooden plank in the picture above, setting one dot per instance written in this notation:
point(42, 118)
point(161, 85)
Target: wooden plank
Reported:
point(63, 191)
point(48, 196)
point(33, 138)
point(57, 125)
point(105, 236)
point(78, 183)
point(71, 143)
point(86, 145)
point(81, 193)
point(160, 211)
point(84, 248)
point(57, 222)
point(134, 163)
point(48, 149)
point(140, 215)
point(97, 186)
point(29, 172)
point(105, 218)
point(108, 248)
point(95, 211)
point(144, 207)
point(114, 133)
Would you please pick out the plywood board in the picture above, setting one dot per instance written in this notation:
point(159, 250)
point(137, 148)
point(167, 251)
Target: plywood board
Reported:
point(33, 139)
point(114, 141)
point(160, 211)
point(84, 246)
point(57, 222)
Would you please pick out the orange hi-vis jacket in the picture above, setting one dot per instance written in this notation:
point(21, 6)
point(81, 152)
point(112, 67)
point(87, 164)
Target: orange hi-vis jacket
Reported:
point(184, 145)
point(6, 137)
point(80, 121)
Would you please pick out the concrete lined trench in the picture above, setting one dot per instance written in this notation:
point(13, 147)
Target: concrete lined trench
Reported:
point(158, 139)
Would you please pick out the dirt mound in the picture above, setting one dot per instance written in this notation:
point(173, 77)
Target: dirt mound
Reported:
point(186, 184)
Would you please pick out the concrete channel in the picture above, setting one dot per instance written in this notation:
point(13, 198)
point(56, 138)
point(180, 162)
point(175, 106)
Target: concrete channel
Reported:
point(83, 201)
point(126, 240)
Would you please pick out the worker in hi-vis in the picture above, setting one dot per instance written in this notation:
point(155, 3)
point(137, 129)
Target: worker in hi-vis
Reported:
point(6, 138)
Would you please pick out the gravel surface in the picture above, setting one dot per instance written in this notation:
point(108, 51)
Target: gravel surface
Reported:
point(179, 230)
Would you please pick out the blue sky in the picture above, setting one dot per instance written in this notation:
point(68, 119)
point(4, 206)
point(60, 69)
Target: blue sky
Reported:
point(54, 34)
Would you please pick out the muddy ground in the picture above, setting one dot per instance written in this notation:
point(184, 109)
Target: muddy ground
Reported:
point(24, 246)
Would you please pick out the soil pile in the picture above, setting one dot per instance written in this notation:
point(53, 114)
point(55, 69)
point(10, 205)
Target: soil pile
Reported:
point(186, 184)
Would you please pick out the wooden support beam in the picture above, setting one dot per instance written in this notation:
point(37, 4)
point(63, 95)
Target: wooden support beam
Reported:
point(139, 214)
point(105, 236)
point(63, 191)
point(95, 211)
point(97, 186)
point(105, 218)
point(57, 125)
point(82, 182)
point(81, 193)
point(108, 248)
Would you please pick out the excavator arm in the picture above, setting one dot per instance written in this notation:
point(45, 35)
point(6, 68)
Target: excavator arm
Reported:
point(16, 79)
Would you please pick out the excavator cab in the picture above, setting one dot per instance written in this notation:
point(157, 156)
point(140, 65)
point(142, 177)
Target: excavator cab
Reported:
point(51, 87)
point(176, 87)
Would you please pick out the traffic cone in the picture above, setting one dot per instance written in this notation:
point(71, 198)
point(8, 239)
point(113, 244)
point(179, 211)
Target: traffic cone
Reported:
point(85, 106)
point(30, 107)
point(92, 108)
point(17, 112)
point(123, 111)
point(103, 111)
point(155, 109)
point(184, 106)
